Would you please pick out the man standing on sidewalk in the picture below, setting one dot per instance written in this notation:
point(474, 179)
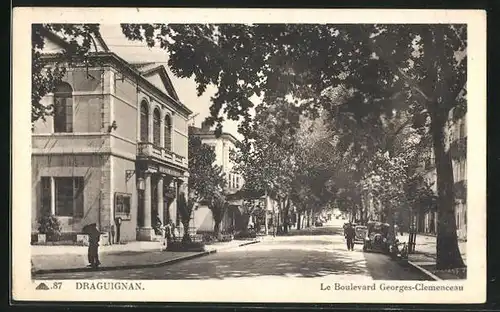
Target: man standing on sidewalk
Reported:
point(349, 236)
point(93, 251)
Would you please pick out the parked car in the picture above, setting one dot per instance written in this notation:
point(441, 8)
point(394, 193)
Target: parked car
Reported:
point(376, 239)
point(360, 234)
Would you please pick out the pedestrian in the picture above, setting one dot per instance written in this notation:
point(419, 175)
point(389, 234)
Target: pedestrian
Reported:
point(349, 236)
point(173, 230)
point(93, 250)
point(168, 231)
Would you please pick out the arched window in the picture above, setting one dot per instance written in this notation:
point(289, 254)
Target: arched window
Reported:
point(156, 127)
point(168, 133)
point(63, 108)
point(144, 121)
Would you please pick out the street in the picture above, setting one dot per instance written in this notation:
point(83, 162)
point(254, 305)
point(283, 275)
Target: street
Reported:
point(319, 254)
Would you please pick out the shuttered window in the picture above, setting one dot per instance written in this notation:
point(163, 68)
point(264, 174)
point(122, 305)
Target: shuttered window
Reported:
point(144, 121)
point(63, 108)
point(168, 133)
point(156, 127)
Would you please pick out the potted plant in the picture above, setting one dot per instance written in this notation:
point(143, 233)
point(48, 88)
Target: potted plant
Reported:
point(49, 228)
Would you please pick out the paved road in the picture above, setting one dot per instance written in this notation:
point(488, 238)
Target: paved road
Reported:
point(312, 256)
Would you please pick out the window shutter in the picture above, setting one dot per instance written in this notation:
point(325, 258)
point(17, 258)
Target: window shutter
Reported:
point(45, 195)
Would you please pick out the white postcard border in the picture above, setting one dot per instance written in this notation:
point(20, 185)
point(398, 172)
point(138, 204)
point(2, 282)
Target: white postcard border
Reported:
point(261, 289)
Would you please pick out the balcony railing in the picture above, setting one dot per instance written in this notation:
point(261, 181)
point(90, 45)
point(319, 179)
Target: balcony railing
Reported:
point(146, 149)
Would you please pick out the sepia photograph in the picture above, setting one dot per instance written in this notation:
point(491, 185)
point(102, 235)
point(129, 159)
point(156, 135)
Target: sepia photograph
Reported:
point(319, 160)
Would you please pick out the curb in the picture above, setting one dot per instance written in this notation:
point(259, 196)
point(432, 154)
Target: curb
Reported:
point(140, 266)
point(424, 271)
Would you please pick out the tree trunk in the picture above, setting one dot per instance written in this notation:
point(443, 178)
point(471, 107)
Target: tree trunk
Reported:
point(390, 220)
point(299, 221)
point(266, 223)
point(448, 253)
point(361, 213)
point(217, 229)
point(186, 237)
point(309, 218)
point(353, 214)
point(286, 216)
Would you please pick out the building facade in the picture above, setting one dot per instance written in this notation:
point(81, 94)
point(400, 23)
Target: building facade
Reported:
point(222, 146)
point(115, 150)
point(456, 145)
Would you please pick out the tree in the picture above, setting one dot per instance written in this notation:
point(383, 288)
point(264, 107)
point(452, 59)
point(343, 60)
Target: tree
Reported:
point(218, 205)
point(206, 177)
point(79, 38)
point(266, 157)
point(206, 182)
point(185, 208)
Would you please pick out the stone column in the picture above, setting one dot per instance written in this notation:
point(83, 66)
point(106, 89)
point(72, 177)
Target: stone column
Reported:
point(159, 189)
point(146, 232)
point(147, 200)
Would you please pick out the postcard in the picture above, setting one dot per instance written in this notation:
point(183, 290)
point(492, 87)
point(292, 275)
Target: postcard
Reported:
point(249, 155)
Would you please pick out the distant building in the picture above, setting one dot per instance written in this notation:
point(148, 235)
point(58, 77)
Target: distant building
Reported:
point(222, 146)
point(116, 146)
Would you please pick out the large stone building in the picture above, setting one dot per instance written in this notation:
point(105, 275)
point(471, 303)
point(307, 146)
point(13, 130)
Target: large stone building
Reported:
point(456, 144)
point(222, 146)
point(115, 149)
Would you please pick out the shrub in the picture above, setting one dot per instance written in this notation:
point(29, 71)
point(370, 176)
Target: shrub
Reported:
point(50, 226)
point(245, 234)
point(209, 238)
point(185, 246)
point(226, 238)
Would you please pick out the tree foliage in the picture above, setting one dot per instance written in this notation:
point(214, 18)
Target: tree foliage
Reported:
point(79, 40)
point(206, 177)
point(382, 69)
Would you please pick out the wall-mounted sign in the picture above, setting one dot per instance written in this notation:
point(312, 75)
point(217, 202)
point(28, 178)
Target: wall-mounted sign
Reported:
point(152, 168)
point(164, 170)
point(169, 171)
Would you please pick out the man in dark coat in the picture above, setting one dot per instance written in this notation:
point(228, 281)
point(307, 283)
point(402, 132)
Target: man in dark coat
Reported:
point(93, 251)
point(349, 236)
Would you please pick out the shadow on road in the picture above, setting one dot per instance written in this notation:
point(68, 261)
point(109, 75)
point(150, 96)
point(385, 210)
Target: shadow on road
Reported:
point(278, 262)
point(299, 257)
point(326, 230)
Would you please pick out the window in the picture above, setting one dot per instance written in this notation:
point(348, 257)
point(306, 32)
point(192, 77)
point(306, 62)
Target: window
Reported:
point(63, 108)
point(69, 196)
point(168, 133)
point(122, 204)
point(237, 182)
point(230, 185)
point(156, 127)
point(144, 121)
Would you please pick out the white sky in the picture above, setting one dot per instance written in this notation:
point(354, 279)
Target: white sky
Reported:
point(135, 51)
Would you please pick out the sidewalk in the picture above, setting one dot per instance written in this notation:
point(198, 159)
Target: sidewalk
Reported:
point(424, 258)
point(55, 259)
point(425, 247)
